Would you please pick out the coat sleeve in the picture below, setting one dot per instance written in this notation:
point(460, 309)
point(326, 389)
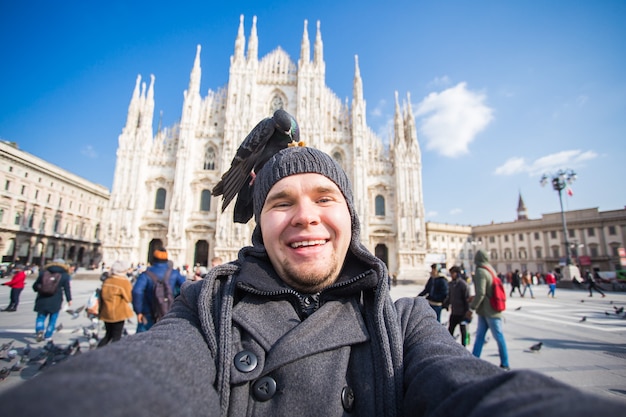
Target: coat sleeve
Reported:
point(167, 371)
point(138, 291)
point(442, 378)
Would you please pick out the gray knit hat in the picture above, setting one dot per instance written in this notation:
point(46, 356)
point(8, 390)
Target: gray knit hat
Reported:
point(300, 160)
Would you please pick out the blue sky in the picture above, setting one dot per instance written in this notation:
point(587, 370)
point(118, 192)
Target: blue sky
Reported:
point(503, 91)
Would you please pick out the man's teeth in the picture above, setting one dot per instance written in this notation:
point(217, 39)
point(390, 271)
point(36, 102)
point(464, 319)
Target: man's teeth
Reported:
point(307, 243)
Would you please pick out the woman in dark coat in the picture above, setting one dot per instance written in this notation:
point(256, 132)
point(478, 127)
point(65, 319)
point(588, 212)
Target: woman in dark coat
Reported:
point(49, 306)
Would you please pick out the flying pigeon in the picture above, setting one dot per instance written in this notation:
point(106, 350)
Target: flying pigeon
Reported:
point(76, 312)
point(536, 347)
point(584, 318)
point(267, 138)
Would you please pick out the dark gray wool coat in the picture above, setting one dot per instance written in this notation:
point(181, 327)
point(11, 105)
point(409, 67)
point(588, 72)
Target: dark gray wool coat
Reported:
point(241, 343)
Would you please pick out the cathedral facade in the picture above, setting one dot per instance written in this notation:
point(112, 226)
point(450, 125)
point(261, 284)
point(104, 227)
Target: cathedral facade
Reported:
point(162, 183)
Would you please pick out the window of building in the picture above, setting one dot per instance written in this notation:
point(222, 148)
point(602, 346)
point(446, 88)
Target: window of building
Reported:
point(612, 231)
point(205, 200)
point(209, 159)
point(522, 253)
point(36, 194)
point(553, 234)
point(1, 214)
point(380, 205)
point(593, 250)
point(49, 197)
point(571, 232)
point(494, 254)
point(506, 238)
point(538, 253)
point(591, 232)
point(521, 237)
point(7, 185)
point(23, 190)
point(555, 251)
point(508, 254)
point(18, 218)
point(159, 203)
point(537, 236)
point(492, 239)
point(615, 250)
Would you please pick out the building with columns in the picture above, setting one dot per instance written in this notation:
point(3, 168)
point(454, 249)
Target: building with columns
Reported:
point(163, 180)
point(537, 245)
point(47, 212)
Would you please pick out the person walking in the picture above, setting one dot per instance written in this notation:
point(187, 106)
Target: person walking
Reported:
point(142, 293)
point(592, 285)
point(458, 302)
point(550, 279)
point(17, 285)
point(435, 290)
point(115, 299)
point(527, 281)
point(488, 318)
point(48, 306)
point(515, 283)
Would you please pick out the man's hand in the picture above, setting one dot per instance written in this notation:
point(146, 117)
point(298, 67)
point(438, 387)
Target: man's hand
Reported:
point(142, 319)
point(469, 314)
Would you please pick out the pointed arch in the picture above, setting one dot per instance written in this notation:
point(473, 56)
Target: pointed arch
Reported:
point(209, 158)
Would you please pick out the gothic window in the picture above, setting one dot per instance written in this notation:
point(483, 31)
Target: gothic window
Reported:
point(159, 203)
point(277, 103)
point(380, 205)
point(205, 200)
point(209, 159)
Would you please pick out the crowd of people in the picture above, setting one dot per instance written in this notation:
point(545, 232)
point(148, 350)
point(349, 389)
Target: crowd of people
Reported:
point(302, 323)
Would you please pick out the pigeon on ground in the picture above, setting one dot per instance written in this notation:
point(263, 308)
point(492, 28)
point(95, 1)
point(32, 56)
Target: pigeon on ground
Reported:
point(267, 138)
point(536, 347)
point(619, 310)
point(606, 313)
point(4, 372)
point(59, 327)
point(519, 308)
point(584, 318)
point(582, 301)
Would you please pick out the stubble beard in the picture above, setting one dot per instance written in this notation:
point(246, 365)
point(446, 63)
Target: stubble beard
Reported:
point(311, 281)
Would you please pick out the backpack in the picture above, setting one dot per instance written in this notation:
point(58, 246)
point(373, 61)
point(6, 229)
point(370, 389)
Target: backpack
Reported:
point(498, 295)
point(162, 296)
point(49, 283)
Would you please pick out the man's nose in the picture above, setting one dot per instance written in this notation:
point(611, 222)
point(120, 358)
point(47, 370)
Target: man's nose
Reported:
point(306, 212)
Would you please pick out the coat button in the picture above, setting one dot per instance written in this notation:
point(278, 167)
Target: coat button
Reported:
point(245, 361)
point(264, 388)
point(347, 399)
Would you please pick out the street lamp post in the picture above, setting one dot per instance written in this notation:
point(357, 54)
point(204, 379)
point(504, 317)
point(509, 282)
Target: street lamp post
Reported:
point(560, 180)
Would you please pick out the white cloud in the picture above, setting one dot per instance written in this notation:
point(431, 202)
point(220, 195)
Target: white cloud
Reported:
point(89, 152)
point(432, 213)
point(442, 81)
point(570, 159)
point(456, 211)
point(452, 118)
point(379, 109)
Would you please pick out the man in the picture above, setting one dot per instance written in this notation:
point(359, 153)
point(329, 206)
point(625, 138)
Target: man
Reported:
point(551, 283)
point(516, 282)
point(488, 318)
point(143, 289)
point(435, 290)
point(591, 284)
point(17, 285)
point(527, 280)
point(48, 306)
point(301, 324)
point(458, 301)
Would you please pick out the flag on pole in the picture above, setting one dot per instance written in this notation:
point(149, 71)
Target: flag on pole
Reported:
point(570, 192)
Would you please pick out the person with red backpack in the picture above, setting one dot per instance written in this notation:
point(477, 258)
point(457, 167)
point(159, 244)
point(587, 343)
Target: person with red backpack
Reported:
point(488, 317)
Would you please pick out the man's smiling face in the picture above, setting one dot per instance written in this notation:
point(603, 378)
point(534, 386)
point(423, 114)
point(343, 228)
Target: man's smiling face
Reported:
point(306, 228)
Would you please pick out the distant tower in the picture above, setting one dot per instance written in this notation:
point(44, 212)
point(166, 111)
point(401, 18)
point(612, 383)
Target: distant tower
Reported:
point(521, 209)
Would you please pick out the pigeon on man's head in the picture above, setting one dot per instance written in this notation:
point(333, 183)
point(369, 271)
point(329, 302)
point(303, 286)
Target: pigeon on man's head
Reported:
point(267, 138)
